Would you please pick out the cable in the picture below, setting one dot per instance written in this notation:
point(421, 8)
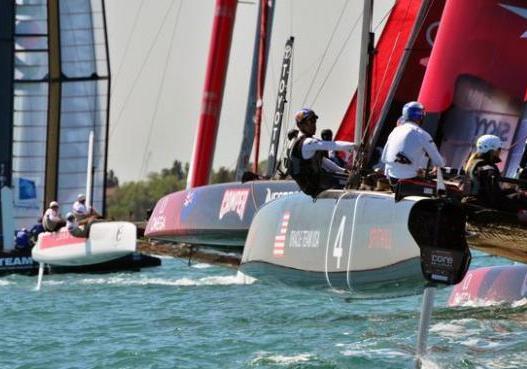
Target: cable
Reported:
point(148, 54)
point(336, 59)
point(127, 47)
point(158, 97)
point(326, 50)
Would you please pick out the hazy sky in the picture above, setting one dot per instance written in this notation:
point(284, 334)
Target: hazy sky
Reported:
point(159, 50)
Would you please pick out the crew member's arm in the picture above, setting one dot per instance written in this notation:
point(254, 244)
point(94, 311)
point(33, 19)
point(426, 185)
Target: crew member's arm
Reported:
point(332, 167)
point(431, 149)
point(312, 145)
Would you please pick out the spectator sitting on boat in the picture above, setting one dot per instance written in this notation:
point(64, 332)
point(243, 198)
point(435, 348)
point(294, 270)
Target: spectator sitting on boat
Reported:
point(74, 228)
point(482, 178)
point(23, 240)
point(37, 229)
point(408, 145)
point(83, 212)
point(327, 135)
point(309, 168)
point(52, 221)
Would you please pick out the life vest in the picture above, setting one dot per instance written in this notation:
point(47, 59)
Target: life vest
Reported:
point(306, 172)
point(471, 182)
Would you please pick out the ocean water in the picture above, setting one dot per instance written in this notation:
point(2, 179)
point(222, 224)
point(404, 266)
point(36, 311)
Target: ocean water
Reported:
point(205, 316)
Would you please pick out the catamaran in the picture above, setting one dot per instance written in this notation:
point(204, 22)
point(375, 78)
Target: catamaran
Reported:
point(54, 81)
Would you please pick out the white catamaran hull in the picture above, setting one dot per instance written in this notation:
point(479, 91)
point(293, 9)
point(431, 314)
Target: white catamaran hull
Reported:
point(107, 241)
point(353, 240)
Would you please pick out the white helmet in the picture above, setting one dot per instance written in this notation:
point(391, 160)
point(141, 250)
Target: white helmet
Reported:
point(81, 197)
point(70, 216)
point(487, 143)
point(53, 204)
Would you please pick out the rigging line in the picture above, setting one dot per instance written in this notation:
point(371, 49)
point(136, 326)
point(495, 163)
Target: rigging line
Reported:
point(127, 46)
point(324, 54)
point(383, 79)
point(134, 83)
point(337, 58)
point(160, 90)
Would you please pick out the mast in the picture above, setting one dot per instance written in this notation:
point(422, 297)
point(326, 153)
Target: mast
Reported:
point(249, 126)
point(280, 103)
point(260, 83)
point(365, 51)
point(205, 140)
point(7, 32)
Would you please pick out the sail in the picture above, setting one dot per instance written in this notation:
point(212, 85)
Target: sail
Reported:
point(60, 93)
point(265, 26)
point(476, 78)
point(399, 63)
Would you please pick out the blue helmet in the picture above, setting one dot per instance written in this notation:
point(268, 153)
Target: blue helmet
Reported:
point(413, 111)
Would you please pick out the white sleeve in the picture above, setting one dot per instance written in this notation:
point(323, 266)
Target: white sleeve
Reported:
point(431, 149)
point(312, 145)
point(331, 167)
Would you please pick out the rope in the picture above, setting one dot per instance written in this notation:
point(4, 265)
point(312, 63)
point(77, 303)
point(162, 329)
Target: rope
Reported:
point(127, 47)
point(324, 54)
point(148, 54)
point(161, 87)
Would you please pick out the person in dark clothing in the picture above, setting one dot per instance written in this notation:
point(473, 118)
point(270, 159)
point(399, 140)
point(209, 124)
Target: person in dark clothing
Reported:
point(37, 229)
point(482, 180)
point(327, 135)
point(23, 240)
point(307, 165)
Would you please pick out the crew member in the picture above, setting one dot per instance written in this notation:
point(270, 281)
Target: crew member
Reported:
point(408, 145)
point(81, 211)
point(74, 228)
point(23, 240)
point(327, 135)
point(37, 229)
point(482, 179)
point(52, 221)
point(309, 168)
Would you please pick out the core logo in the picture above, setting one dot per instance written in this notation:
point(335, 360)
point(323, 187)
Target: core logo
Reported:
point(234, 201)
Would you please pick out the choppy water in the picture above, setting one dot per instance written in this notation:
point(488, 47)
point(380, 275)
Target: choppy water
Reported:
point(205, 317)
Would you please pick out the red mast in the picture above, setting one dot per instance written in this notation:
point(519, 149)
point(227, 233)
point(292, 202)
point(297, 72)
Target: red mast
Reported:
point(205, 141)
point(260, 81)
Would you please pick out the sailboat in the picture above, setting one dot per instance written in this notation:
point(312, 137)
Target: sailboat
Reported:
point(219, 215)
point(358, 239)
point(55, 88)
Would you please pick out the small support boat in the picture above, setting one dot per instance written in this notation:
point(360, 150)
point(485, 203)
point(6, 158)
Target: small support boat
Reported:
point(106, 241)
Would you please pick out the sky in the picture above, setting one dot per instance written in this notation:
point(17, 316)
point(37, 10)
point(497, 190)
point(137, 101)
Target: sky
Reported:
point(158, 55)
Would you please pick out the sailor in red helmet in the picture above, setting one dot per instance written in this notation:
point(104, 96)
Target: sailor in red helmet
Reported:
point(307, 165)
point(409, 146)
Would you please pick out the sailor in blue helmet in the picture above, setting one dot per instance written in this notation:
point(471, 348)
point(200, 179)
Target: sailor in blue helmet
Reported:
point(307, 165)
point(409, 146)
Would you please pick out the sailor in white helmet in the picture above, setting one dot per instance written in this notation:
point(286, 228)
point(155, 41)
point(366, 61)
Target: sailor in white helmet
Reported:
point(409, 146)
point(81, 211)
point(73, 226)
point(482, 182)
point(52, 221)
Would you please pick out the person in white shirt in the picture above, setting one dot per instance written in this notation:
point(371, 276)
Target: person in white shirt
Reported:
point(307, 165)
point(52, 221)
point(81, 211)
point(74, 228)
point(409, 146)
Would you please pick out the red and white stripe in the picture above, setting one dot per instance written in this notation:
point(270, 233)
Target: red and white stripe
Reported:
point(279, 239)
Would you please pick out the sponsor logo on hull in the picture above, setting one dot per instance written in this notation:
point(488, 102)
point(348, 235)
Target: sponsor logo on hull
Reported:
point(19, 261)
point(275, 195)
point(234, 201)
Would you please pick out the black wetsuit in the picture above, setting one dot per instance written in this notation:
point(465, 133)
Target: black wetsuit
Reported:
point(308, 173)
point(483, 186)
